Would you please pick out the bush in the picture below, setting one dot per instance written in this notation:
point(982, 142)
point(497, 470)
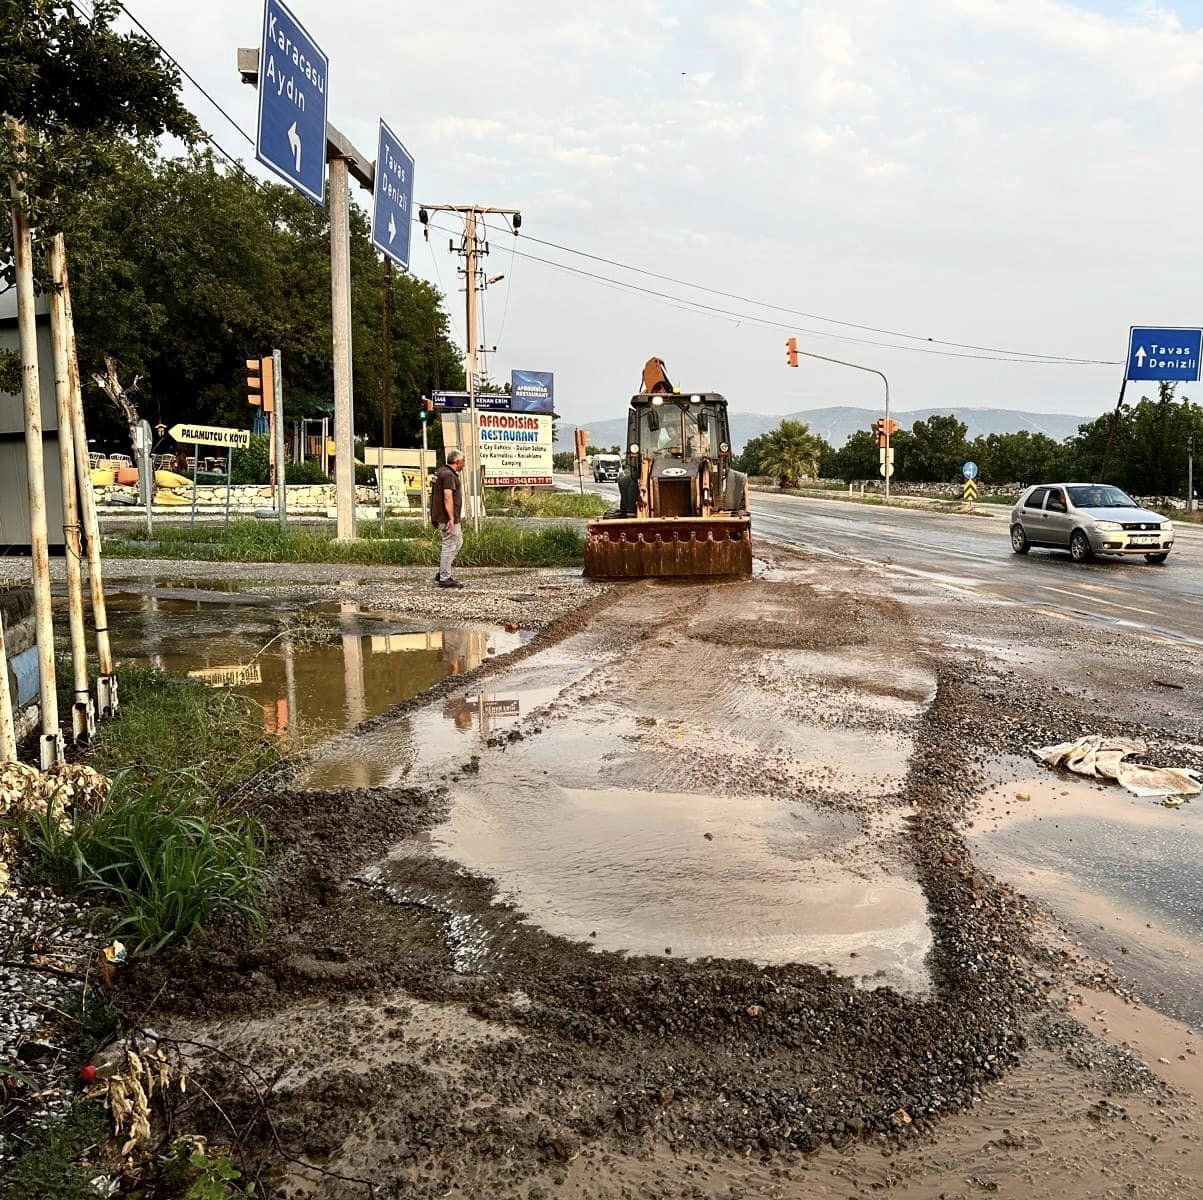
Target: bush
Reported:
point(305, 472)
point(163, 858)
point(365, 476)
point(253, 464)
point(545, 503)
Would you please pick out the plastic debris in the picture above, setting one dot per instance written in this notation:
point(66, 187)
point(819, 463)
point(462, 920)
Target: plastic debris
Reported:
point(1103, 758)
point(115, 953)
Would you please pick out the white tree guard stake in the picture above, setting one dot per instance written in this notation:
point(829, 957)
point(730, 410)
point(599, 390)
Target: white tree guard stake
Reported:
point(106, 682)
point(50, 745)
point(83, 713)
point(8, 726)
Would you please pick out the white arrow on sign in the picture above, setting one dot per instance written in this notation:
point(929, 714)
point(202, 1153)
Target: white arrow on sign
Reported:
point(1140, 357)
point(294, 140)
point(392, 229)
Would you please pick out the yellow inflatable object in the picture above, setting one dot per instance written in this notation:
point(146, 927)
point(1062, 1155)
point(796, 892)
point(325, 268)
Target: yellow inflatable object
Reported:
point(162, 497)
point(169, 479)
point(103, 477)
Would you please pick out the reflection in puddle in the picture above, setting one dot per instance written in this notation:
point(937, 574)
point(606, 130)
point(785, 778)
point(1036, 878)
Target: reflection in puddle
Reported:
point(427, 742)
point(310, 683)
point(635, 871)
point(1127, 874)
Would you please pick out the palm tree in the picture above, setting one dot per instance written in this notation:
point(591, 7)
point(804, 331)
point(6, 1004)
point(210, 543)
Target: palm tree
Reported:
point(790, 452)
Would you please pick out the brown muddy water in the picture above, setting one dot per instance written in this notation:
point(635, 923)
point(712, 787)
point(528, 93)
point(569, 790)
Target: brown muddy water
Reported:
point(313, 670)
point(1125, 874)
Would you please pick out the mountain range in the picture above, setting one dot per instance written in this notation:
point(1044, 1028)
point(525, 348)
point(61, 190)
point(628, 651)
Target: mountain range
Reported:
point(836, 425)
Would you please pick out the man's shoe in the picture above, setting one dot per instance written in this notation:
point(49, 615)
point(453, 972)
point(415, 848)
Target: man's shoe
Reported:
point(450, 583)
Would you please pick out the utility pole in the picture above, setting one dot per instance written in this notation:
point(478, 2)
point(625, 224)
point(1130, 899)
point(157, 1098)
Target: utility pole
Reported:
point(1190, 474)
point(472, 246)
point(386, 367)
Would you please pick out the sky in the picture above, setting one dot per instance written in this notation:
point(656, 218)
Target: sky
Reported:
point(1014, 174)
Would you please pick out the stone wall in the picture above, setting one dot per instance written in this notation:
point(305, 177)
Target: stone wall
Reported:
point(247, 498)
point(20, 645)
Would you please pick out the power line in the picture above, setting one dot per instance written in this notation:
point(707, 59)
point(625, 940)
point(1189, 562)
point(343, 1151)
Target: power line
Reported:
point(768, 323)
point(1008, 355)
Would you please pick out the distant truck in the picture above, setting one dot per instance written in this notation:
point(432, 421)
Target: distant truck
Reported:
point(606, 468)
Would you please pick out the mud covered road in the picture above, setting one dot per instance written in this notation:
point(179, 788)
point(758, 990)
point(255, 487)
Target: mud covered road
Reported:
point(684, 898)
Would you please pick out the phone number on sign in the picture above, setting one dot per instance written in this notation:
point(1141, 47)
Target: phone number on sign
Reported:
point(517, 481)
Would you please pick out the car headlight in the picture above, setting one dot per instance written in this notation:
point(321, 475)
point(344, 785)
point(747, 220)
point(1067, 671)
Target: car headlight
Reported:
point(1167, 527)
point(1108, 525)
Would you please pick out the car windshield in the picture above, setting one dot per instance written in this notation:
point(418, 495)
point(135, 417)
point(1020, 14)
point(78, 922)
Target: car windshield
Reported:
point(1103, 496)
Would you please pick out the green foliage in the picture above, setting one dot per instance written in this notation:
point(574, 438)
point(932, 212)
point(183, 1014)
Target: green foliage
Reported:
point(305, 472)
point(544, 503)
point(563, 462)
point(252, 464)
point(163, 858)
point(190, 1173)
point(161, 712)
point(49, 1169)
point(935, 450)
point(79, 89)
point(790, 452)
point(365, 475)
point(857, 458)
point(182, 268)
point(499, 544)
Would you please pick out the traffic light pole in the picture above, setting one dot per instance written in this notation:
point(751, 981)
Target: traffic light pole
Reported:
point(792, 347)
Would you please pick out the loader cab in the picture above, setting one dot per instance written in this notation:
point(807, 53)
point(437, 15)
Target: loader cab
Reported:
point(687, 427)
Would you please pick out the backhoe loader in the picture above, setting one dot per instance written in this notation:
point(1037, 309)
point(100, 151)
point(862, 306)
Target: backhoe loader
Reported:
point(683, 508)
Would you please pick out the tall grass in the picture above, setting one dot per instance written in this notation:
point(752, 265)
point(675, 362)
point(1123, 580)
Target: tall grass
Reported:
point(166, 720)
point(501, 502)
point(160, 858)
point(499, 544)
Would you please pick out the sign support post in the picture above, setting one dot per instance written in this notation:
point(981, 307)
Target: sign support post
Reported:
point(229, 482)
point(278, 418)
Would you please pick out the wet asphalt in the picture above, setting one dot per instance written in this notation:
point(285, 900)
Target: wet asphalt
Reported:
point(973, 554)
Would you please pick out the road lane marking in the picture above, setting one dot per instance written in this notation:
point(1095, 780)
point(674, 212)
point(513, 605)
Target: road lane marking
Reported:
point(1147, 612)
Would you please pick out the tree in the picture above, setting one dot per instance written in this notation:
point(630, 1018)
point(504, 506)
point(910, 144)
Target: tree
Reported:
point(936, 450)
point(748, 459)
point(790, 452)
point(1021, 457)
point(857, 458)
point(75, 90)
point(182, 268)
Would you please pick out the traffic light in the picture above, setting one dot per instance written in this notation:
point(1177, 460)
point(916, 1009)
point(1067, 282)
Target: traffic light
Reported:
point(260, 382)
point(791, 351)
point(426, 412)
point(883, 430)
point(581, 440)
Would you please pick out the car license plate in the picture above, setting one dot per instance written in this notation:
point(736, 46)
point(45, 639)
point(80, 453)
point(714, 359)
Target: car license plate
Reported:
point(1143, 540)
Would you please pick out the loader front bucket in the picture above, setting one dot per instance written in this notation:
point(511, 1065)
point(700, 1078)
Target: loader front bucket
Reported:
point(668, 547)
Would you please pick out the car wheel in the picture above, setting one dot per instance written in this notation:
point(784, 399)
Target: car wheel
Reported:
point(1019, 540)
point(1079, 547)
point(1157, 558)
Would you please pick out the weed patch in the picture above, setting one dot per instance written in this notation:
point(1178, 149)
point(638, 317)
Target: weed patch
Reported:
point(160, 859)
point(398, 543)
point(49, 1169)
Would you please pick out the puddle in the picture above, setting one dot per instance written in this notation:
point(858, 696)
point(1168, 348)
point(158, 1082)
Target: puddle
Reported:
point(426, 743)
point(634, 871)
point(362, 663)
point(1125, 874)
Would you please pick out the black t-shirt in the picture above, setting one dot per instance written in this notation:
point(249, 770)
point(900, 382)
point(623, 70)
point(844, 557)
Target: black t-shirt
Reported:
point(445, 479)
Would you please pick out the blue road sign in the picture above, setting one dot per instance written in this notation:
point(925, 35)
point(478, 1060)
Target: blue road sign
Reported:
point(969, 470)
point(1166, 355)
point(532, 391)
point(392, 197)
point(485, 401)
point(293, 72)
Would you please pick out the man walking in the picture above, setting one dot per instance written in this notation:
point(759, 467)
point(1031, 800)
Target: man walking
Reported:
point(446, 507)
